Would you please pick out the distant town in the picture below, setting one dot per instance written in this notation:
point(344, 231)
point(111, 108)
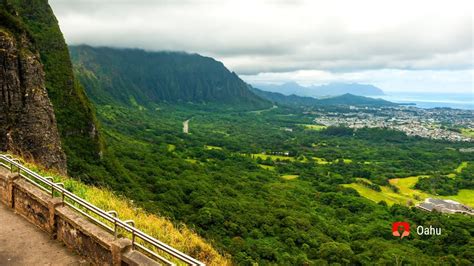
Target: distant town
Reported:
point(438, 123)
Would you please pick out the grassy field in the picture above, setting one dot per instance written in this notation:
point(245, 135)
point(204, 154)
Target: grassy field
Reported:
point(210, 147)
point(273, 157)
point(406, 187)
point(320, 160)
point(267, 167)
point(452, 175)
point(289, 177)
point(465, 196)
point(386, 194)
point(314, 127)
point(194, 161)
point(458, 170)
point(407, 193)
point(468, 132)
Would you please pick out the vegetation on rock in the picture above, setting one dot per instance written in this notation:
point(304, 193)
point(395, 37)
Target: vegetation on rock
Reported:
point(75, 115)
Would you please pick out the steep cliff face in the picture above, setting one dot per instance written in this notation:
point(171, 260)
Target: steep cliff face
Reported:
point(27, 121)
point(76, 120)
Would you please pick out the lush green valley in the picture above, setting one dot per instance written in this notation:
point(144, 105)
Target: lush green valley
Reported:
point(289, 205)
point(184, 138)
point(263, 183)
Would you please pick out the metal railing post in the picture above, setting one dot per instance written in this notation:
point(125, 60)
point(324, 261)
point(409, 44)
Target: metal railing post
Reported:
point(115, 215)
point(61, 185)
point(133, 239)
point(50, 179)
point(132, 224)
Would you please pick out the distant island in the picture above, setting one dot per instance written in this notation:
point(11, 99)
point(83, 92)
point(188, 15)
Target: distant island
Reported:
point(331, 89)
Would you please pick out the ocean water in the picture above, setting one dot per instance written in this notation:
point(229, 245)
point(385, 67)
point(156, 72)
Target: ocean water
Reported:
point(432, 100)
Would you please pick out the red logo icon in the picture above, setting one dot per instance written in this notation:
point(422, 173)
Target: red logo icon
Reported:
point(400, 229)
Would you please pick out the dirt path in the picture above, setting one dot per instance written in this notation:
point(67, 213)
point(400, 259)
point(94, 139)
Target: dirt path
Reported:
point(21, 243)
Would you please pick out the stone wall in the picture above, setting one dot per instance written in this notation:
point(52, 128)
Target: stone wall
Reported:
point(82, 236)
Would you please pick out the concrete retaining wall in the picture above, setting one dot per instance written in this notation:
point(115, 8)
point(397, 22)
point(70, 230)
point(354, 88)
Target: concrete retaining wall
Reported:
point(62, 223)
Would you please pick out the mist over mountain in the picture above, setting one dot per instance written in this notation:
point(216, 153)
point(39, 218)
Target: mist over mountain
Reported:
point(131, 76)
point(331, 89)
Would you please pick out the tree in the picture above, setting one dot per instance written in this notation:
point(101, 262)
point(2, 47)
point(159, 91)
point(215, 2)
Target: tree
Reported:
point(336, 252)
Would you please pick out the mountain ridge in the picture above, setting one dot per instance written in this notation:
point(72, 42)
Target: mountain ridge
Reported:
point(134, 76)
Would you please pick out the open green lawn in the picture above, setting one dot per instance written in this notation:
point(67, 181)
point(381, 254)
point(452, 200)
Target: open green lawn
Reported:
point(273, 157)
point(386, 194)
point(407, 192)
point(289, 177)
point(320, 160)
point(267, 167)
point(210, 147)
point(406, 187)
point(468, 132)
point(465, 196)
point(301, 159)
point(314, 127)
point(458, 170)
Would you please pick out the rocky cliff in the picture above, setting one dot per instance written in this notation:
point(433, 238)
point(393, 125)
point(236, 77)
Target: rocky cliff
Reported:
point(75, 116)
point(27, 121)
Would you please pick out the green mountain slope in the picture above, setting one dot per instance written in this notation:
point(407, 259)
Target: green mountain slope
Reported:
point(130, 77)
point(76, 121)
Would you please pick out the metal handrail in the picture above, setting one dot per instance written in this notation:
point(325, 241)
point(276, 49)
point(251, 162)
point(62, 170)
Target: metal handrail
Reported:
point(9, 163)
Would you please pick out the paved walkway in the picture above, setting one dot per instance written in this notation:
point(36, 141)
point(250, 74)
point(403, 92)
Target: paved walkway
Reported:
point(22, 243)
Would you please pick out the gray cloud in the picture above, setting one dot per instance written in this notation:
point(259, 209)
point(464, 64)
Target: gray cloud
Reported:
point(253, 37)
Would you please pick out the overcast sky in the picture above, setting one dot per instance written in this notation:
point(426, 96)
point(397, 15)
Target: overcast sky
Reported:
point(397, 45)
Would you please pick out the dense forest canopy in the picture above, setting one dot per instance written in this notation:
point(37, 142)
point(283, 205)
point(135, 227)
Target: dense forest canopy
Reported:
point(261, 183)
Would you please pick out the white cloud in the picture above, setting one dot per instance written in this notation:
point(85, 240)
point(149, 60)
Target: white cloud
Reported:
point(261, 36)
point(453, 81)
